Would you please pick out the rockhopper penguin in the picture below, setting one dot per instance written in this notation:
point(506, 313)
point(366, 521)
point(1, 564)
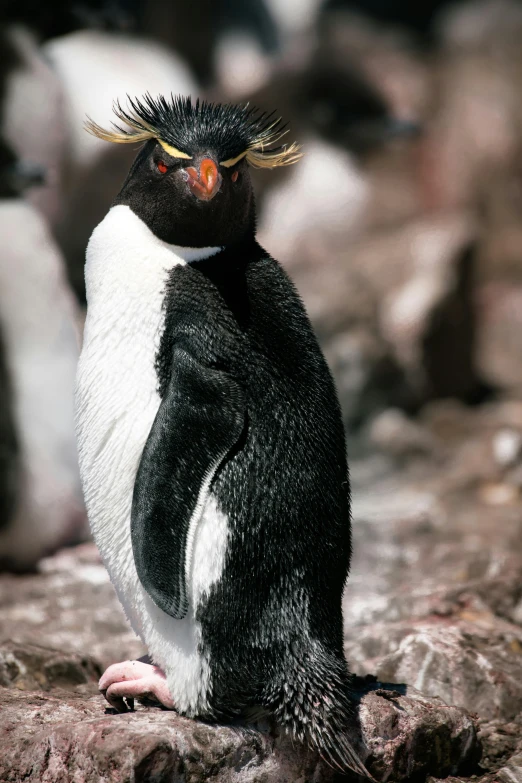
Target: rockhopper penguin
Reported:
point(41, 507)
point(211, 445)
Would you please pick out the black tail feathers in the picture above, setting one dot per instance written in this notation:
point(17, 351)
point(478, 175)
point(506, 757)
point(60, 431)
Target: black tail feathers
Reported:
point(315, 703)
point(336, 747)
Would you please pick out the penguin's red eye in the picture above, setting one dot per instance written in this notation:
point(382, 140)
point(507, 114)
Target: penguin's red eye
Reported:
point(234, 176)
point(162, 167)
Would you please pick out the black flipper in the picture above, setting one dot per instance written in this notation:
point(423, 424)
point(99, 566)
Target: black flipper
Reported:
point(200, 419)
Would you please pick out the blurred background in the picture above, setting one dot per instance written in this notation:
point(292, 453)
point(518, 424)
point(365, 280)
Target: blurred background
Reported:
point(402, 229)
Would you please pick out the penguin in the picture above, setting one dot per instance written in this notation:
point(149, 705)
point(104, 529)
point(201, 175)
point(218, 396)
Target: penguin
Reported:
point(41, 507)
point(10, 181)
point(212, 450)
point(418, 19)
point(58, 17)
point(34, 103)
point(68, 58)
point(344, 120)
point(33, 116)
point(93, 65)
point(246, 29)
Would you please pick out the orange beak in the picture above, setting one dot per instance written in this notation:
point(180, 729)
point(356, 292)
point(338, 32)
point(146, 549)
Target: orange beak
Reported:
point(207, 182)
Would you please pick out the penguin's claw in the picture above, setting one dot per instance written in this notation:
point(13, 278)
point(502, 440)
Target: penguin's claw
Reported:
point(121, 683)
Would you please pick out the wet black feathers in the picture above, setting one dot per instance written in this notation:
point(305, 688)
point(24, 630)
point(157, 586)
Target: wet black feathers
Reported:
point(189, 126)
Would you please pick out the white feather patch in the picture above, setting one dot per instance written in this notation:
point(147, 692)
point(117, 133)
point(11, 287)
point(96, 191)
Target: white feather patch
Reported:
point(117, 401)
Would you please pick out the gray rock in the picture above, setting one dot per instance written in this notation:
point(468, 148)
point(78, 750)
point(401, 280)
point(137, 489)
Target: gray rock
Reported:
point(409, 735)
point(500, 742)
point(30, 667)
point(475, 668)
point(66, 625)
point(511, 772)
point(64, 736)
point(433, 602)
point(70, 605)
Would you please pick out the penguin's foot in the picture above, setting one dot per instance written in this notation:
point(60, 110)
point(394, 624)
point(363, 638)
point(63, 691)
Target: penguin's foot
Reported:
point(121, 683)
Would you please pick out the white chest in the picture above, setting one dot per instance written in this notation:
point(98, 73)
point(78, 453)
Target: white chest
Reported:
point(116, 402)
point(116, 395)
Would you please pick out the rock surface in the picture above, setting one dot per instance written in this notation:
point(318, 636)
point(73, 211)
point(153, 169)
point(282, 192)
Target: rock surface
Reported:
point(54, 726)
point(434, 597)
point(64, 736)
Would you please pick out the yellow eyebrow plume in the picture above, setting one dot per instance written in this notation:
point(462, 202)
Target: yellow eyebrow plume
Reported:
point(147, 122)
point(233, 161)
point(173, 151)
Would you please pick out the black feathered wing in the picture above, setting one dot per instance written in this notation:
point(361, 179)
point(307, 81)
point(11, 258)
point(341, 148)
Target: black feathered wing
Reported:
point(200, 419)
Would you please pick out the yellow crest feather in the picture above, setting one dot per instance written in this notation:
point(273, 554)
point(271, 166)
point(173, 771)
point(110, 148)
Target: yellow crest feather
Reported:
point(270, 160)
point(140, 121)
point(116, 135)
point(173, 151)
point(261, 159)
point(233, 161)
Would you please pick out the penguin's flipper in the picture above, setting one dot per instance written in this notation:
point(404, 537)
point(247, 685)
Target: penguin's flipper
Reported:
point(201, 417)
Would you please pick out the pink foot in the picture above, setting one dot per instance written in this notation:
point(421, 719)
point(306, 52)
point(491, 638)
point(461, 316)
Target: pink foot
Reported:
point(132, 679)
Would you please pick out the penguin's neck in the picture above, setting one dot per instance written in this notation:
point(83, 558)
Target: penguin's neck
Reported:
point(123, 251)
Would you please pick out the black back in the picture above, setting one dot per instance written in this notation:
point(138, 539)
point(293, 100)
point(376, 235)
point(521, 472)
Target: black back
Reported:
point(284, 486)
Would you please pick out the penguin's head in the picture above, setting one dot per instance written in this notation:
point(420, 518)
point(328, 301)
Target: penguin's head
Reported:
point(190, 182)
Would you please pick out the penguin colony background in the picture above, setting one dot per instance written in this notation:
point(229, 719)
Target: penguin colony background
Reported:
point(41, 505)
point(211, 445)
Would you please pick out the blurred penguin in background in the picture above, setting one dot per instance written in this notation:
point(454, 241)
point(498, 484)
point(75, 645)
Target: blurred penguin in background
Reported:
point(94, 66)
point(33, 113)
point(90, 54)
point(34, 107)
point(236, 43)
point(419, 19)
point(342, 118)
point(34, 110)
point(41, 505)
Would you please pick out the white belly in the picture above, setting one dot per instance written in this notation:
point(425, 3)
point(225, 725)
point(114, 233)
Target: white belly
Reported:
point(116, 403)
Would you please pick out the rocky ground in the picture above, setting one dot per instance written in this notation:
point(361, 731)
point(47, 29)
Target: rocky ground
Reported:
point(433, 623)
point(435, 595)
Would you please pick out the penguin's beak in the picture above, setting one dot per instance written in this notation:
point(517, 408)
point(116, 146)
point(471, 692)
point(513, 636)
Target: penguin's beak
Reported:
point(205, 183)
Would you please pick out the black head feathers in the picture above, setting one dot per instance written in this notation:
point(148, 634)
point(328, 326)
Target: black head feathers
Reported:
point(183, 128)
